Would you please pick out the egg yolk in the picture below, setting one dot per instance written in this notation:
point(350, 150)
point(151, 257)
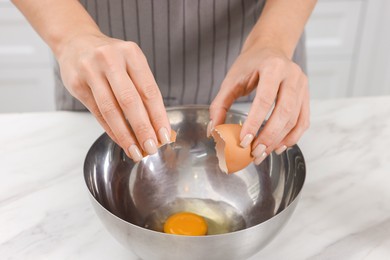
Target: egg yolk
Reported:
point(185, 223)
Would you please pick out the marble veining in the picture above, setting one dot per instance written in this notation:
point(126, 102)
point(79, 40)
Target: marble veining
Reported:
point(344, 212)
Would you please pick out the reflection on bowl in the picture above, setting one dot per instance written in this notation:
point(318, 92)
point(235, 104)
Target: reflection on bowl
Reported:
point(244, 211)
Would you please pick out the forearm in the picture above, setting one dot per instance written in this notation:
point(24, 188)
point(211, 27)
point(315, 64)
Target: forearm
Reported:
point(57, 22)
point(281, 25)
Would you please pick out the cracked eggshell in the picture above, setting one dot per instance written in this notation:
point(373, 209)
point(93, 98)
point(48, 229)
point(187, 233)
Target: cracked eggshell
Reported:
point(231, 156)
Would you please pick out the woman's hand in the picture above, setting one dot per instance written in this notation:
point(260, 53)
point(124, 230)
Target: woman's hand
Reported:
point(278, 81)
point(113, 80)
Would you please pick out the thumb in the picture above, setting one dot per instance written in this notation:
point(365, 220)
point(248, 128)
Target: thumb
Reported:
point(219, 107)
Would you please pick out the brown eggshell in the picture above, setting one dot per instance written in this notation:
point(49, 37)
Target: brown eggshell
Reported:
point(231, 156)
point(173, 139)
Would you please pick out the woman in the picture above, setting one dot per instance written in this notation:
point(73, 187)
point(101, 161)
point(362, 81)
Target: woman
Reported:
point(200, 51)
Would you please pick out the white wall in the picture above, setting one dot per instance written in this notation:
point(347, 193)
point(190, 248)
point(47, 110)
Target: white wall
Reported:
point(348, 54)
point(26, 79)
point(332, 44)
point(372, 67)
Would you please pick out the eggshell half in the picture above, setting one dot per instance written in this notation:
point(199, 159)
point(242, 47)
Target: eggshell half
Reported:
point(231, 156)
point(173, 139)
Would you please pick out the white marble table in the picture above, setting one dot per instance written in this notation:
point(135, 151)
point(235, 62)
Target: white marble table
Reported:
point(344, 212)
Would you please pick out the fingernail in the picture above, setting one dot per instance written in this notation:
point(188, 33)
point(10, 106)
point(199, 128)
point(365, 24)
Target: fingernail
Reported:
point(247, 140)
point(280, 149)
point(150, 146)
point(164, 135)
point(209, 128)
point(258, 160)
point(135, 153)
point(259, 150)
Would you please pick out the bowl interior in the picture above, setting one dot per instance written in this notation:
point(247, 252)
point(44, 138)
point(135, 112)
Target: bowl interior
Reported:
point(184, 176)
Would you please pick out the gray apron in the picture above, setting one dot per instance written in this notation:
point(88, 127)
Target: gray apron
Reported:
point(189, 44)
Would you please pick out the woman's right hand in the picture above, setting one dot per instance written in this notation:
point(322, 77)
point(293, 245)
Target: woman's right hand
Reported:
point(113, 80)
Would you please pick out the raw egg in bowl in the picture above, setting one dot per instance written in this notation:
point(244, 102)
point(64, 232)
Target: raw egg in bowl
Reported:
point(179, 203)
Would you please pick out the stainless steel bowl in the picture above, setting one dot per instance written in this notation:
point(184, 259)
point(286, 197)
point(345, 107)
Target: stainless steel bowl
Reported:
point(244, 210)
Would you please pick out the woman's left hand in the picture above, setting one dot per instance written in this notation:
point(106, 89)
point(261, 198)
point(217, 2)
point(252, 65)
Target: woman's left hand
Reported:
point(278, 81)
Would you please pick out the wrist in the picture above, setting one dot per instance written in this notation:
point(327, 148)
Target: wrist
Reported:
point(269, 42)
point(280, 25)
point(58, 43)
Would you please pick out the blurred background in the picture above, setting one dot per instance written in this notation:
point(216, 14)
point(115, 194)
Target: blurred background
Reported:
point(347, 47)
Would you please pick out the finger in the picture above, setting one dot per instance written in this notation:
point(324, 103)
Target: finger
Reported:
point(135, 154)
point(284, 112)
point(132, 106)
point(217, 110)
point(91, 105)
point(302, 125)
point(230, 90)
point(266, 92)
point(112, 115)
point(144, 82)
point(80, 90)
point(83, 93)
point(276, 144)
point(292, 122)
